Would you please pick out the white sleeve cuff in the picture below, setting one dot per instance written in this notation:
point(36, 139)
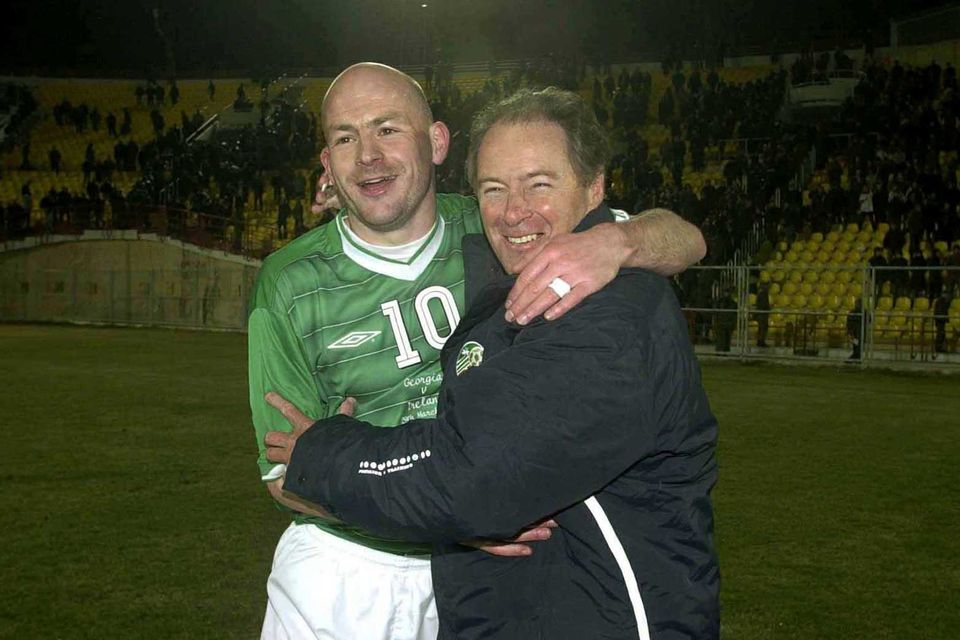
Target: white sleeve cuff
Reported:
point(276, 472)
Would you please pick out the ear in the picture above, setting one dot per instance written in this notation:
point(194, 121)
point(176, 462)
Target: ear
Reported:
point(325, 160)
point(596, 191)
point(439, 141)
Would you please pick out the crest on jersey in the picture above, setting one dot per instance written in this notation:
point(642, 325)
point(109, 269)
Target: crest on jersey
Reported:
point(354, 339)
point(471, 355)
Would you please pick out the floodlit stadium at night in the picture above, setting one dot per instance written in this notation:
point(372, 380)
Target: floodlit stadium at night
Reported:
point(232, 249)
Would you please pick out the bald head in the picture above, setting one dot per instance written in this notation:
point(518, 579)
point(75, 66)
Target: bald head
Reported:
point(371, 80)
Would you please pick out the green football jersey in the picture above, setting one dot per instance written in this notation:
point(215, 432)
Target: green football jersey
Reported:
point(331, 320)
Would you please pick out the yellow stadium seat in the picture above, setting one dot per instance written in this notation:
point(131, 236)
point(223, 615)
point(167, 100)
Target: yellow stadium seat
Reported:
point(853, 228)
point(792, 256)
point(782, 246)
point(833, 302)
point(798, 246)
point(798, 301)
point(790, 288)
point(764, 276)
point(823, 288)
point(844, 276)
point(921, 305)
point(779, 275)
point(811, 276)
point(816, 236)
point(885, 303)
point(806, 288)
point(855, 289)
point(796, 276)
point(829, 276)
point(807, 257)
point(815, 301)
point(752, 300)
point(774, 288)
point(902, 304)
point(833, 236)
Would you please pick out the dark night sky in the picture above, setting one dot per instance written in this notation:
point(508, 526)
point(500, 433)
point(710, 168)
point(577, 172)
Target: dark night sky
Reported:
point(120, 36)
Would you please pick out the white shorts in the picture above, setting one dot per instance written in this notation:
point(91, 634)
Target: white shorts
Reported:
point(322, 586)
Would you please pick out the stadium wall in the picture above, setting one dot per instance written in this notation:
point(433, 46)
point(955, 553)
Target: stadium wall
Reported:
point(143, 281)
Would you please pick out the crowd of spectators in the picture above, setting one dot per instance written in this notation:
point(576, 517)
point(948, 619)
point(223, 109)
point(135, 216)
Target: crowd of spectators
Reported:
point(16, 105)
point(220, 180)
point(895, 161)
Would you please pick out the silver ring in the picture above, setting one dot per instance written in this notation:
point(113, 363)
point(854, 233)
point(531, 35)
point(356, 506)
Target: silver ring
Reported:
point(560, 287)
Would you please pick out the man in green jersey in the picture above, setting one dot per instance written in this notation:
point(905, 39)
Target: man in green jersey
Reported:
point(362, 306)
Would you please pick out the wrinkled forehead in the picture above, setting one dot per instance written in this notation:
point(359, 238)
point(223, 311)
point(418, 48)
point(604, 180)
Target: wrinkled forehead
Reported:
point(369, 90)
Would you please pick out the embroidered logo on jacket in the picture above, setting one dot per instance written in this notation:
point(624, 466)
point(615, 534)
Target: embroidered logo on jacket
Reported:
point(471, 355)
point(354, 339)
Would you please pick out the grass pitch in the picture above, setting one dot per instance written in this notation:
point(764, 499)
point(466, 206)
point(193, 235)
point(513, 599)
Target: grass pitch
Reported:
point(132, 508)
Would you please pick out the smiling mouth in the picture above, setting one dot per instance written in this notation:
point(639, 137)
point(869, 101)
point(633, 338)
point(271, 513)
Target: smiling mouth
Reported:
point(520, 240)
point(374, 181)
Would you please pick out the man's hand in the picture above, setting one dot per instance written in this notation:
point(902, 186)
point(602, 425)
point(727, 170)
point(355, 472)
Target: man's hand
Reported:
point(280, 444)
point(327, 196)
point(587, 261)
point(515, 547)
point(657, 240)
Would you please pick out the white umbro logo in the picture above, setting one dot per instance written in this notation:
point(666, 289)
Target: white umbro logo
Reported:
point(354, 339)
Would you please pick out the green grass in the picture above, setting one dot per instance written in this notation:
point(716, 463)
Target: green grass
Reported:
point(131, 506)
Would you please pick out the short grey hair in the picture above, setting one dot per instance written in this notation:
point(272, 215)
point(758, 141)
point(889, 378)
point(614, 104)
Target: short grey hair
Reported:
point(588, 147)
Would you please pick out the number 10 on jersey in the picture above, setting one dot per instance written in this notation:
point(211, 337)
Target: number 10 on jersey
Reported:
point(408, 356)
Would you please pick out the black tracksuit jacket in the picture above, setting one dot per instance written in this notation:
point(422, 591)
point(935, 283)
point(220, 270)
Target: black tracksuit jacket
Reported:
point(598, 419)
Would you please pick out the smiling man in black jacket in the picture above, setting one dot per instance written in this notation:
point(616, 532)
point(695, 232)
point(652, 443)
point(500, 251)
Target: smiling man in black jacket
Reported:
point(597, 419)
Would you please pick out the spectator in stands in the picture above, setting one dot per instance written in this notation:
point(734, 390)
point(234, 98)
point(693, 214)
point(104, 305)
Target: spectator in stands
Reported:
point(283, 212)
point(935, 274)
point(211, 90)
point(257, 185)
point(26, 196)
point(763, 313)
point(725, 319)
point(855, 329)
point(298, 226)
point(55, 159)
point(25, 157)
point(941, 311)
point(918, 276)
point(111, 124)
point(127, 124)
point(953, 275)
point(880, 275)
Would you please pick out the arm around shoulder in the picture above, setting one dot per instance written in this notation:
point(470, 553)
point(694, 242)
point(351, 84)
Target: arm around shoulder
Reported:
point(661, 241)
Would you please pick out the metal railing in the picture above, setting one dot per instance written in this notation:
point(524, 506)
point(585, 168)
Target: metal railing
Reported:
point(825, 313)
point(813, 313)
